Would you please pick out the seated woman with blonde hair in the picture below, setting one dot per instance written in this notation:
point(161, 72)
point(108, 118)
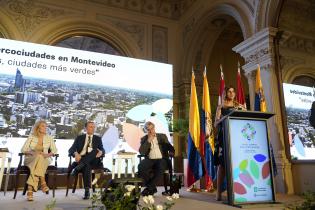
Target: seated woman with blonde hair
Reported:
point(38, 149)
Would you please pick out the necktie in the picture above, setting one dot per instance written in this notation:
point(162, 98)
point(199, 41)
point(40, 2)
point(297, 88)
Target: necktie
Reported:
point(87, 146)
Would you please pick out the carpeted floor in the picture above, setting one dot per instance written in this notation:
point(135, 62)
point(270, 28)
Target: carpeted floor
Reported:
point(187, 200)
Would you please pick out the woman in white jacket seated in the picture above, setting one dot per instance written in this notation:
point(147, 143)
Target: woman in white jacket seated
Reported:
point(37, 157)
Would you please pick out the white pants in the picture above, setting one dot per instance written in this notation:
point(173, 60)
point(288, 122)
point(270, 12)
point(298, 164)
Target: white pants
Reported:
point(38, 166)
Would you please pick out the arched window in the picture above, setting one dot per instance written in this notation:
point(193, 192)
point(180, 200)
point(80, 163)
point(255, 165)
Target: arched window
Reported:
point(89, 44)
point(304, 81)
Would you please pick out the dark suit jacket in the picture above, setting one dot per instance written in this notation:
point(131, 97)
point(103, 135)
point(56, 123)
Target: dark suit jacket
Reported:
point(164, 145)
point(78, 144)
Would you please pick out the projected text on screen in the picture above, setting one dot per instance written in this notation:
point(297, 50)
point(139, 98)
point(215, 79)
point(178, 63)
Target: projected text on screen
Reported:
point(67, 87)
point(298, 102)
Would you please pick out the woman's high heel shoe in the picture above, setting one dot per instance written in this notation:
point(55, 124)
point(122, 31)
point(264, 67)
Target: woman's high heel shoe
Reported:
point(44, 187)
point(30, 195)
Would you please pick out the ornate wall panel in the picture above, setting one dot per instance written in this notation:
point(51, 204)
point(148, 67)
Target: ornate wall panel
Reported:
point(167, 9)
point(30, 14)
point(136, 30)
point(159, 44)
point(297, 41)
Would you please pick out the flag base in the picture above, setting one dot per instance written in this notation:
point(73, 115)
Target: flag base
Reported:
point(210, 189)
point(193, 189)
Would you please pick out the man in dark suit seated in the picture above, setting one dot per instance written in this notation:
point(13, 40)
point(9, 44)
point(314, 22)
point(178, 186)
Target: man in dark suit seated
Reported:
point(87, 150)
point(156, 149)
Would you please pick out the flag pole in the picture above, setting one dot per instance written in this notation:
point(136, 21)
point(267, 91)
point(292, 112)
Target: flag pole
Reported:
point(193, 187)
point(238, 66)
point(208, 129)
point(240, 96)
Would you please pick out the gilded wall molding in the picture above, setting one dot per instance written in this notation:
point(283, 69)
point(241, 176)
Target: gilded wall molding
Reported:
point(166, 9)
point(187, 30)
point(288, 62)
point(30, 14)
point(257, 55)
point(298, 16)
point(297, 55)
point(214, 17)
point(298, 43)
point(159, 44)
point(54, 33)
point(136, 30)
point(298, 70)
point(257, 49)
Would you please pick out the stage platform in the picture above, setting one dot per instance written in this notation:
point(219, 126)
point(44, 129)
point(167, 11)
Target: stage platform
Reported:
point(187, 200)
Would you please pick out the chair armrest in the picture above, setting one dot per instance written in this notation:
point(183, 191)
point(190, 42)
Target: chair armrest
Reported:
point(21, 154)
point(70, 160)
point(56, 157)
point(141, 156)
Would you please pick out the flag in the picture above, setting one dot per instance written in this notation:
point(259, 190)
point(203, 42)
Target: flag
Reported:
point(206, 134)
point(194, 169)
point(240, 97)
point(260, 102)
point(222, 88)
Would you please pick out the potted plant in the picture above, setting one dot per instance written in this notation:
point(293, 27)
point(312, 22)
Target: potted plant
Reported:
point(124, 196)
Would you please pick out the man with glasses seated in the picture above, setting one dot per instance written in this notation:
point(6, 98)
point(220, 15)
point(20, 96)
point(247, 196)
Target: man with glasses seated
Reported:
point(87, 150)
point(156, 149)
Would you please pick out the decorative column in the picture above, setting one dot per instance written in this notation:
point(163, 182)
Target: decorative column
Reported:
point(180, 105)
point(259, 49)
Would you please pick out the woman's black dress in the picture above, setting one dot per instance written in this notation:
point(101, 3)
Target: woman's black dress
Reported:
point(219, 144)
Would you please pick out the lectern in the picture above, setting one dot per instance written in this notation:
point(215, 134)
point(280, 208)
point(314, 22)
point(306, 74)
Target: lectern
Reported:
point(248, 161)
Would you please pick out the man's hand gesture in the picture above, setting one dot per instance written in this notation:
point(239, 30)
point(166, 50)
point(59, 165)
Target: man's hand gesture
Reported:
point(99, 153)
point(77, 157)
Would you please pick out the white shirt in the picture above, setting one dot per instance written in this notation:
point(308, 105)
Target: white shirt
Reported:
point(83, 152)
point(155, 152)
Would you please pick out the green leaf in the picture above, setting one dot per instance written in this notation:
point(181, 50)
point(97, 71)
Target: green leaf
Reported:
point(254, 169)
point(243, 165)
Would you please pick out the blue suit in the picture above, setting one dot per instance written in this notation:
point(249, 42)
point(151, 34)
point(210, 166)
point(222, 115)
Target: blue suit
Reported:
point(88, 159)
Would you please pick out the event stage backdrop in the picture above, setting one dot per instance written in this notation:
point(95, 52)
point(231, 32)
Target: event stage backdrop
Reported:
point(66, 87)
point(298, 102)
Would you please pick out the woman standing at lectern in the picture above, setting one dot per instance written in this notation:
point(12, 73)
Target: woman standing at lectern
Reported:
point(229, 104)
